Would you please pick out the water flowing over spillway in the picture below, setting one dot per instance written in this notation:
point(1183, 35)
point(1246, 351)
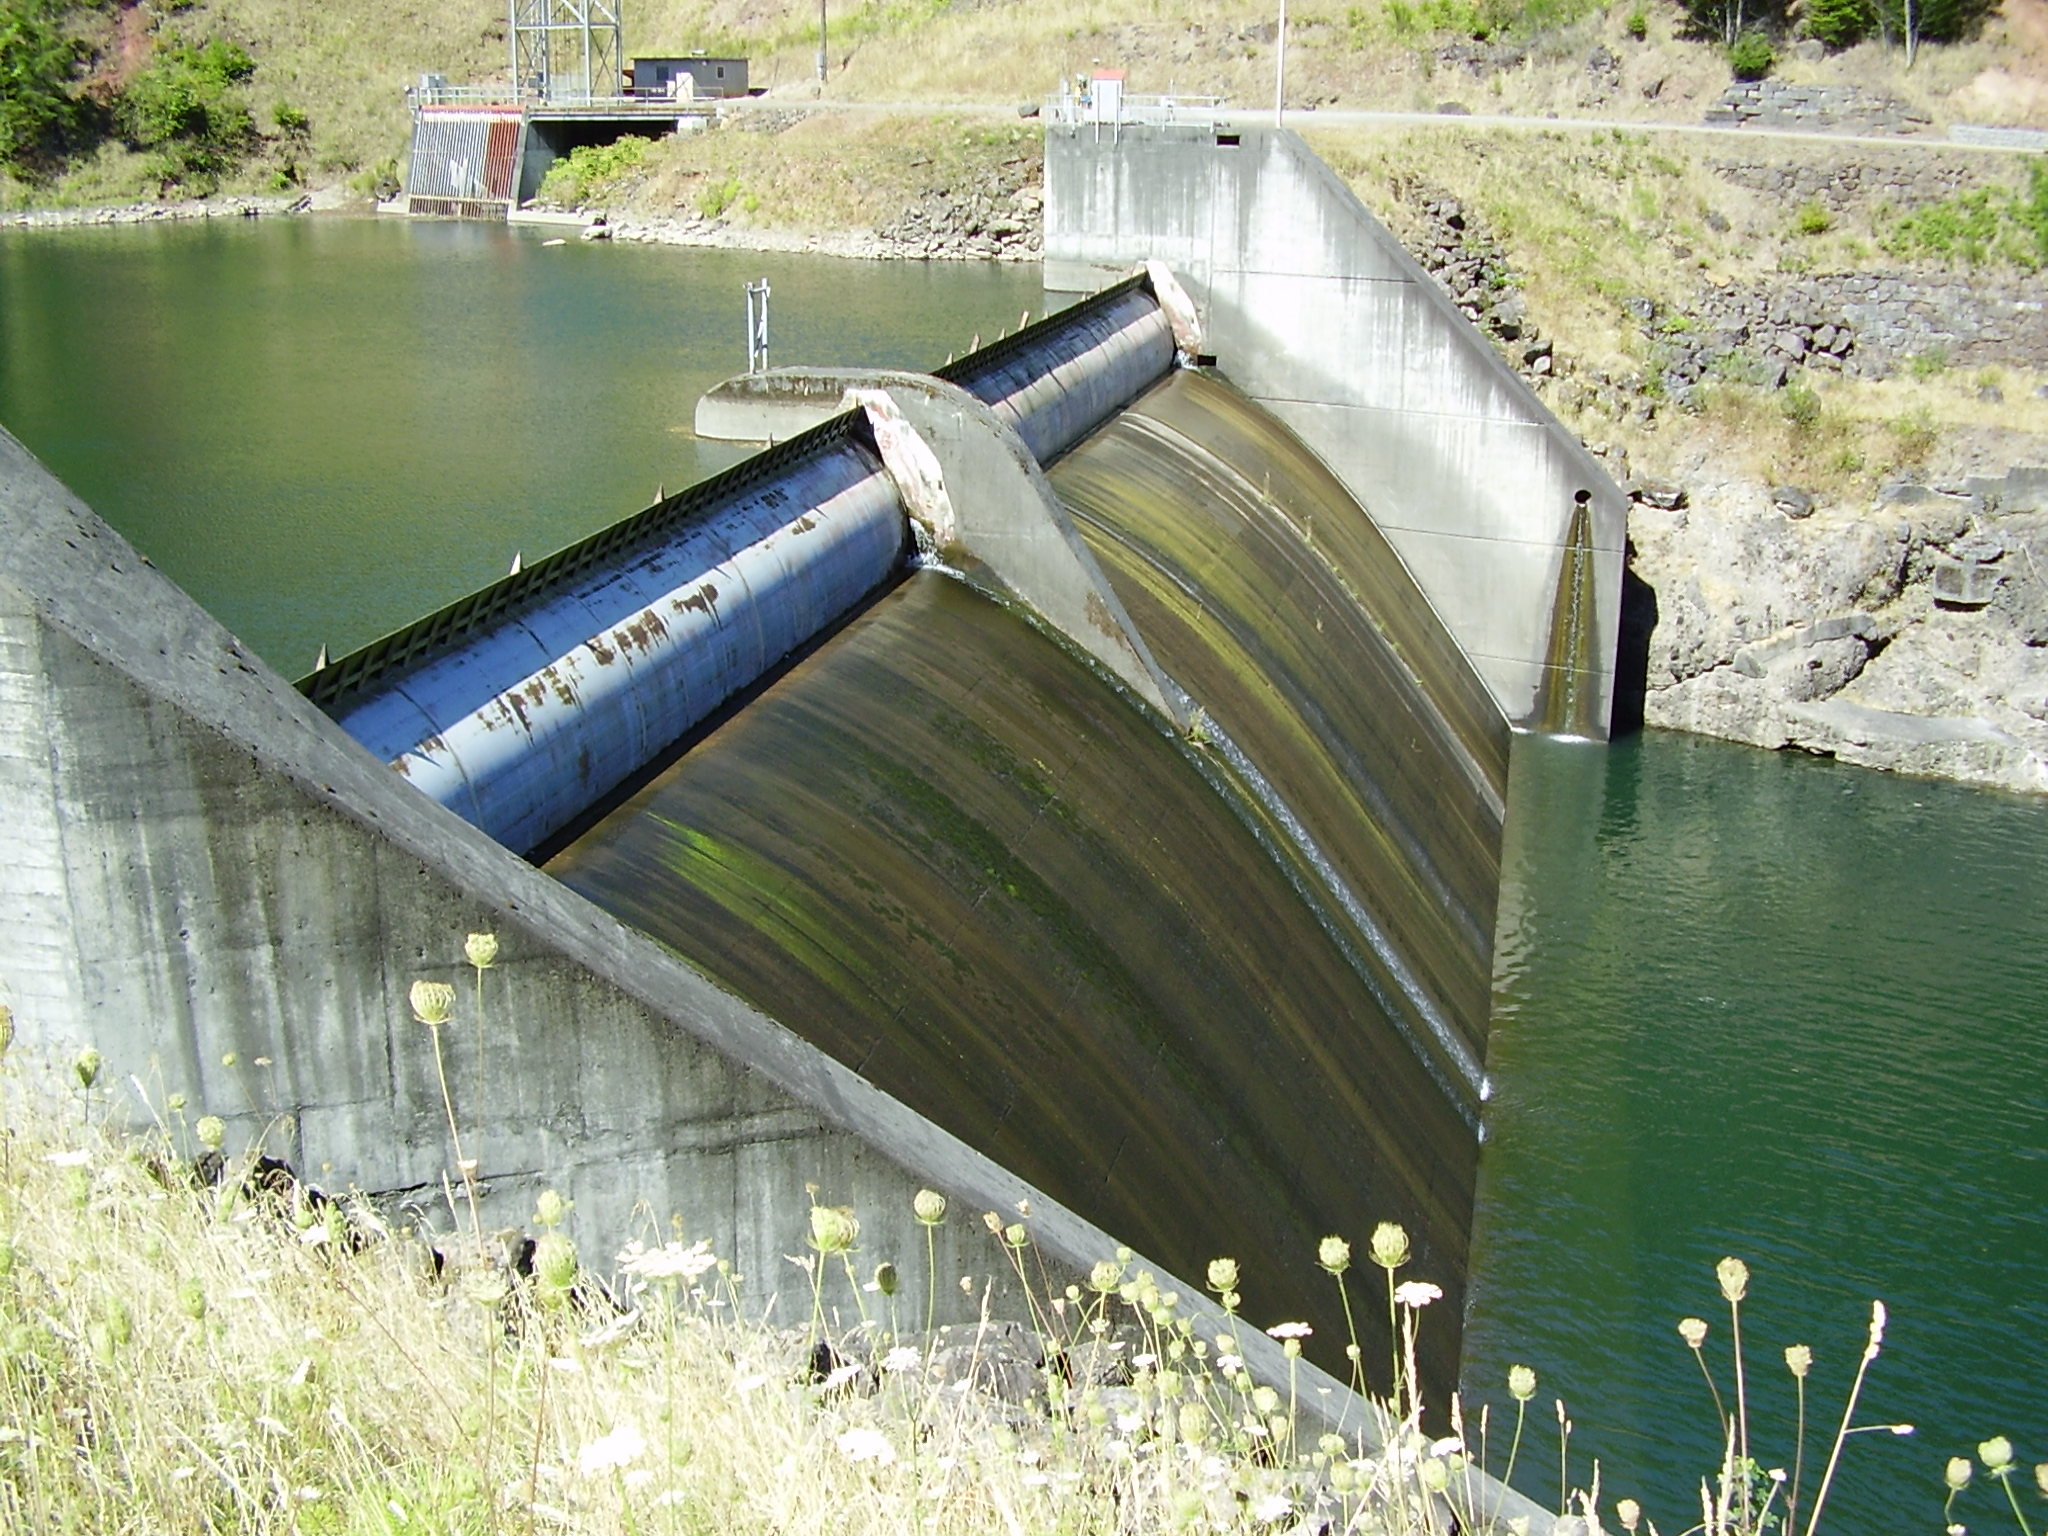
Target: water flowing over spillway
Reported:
point(1269, 594)
point(1223, 996)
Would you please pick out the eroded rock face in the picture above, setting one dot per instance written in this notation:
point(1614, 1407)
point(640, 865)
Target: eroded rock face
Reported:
point(1835, 629)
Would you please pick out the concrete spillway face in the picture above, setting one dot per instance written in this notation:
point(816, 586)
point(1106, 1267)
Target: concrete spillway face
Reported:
point(1225, 995)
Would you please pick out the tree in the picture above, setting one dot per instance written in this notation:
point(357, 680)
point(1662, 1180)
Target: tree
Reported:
point(37, 61)
point(1838, 23)
point(1909, 23)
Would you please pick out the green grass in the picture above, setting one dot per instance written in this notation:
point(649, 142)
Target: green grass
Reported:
point(1983, 227)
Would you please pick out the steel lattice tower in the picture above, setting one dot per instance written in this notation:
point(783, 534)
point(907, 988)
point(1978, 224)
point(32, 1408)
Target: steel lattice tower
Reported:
point(567, 49)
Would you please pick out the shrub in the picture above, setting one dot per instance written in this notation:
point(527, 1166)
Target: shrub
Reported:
point(189, 106)
point(1638, 24)
point(1838, 23)
point(593, 170)
point(1812, 219)
point(291, 122)
point(1751, 56)
point(718, 197)
point(1801, 405)
point(37, 110)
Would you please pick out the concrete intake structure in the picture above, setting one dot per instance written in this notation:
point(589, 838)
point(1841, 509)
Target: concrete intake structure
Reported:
point(1314, 310)
point(1212, 976)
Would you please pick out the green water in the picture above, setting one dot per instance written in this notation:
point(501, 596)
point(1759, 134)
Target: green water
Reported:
point(1761, 1005)
point(1747, 1003)
point(256, 405)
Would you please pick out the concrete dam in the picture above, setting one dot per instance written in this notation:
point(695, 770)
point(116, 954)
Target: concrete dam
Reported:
point(1043, 782)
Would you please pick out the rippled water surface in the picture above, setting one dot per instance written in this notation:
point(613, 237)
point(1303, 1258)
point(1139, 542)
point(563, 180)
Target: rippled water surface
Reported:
point(1756, 1004)
point(323, 428)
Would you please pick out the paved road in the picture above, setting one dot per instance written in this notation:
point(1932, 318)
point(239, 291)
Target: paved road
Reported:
point(1308, 119)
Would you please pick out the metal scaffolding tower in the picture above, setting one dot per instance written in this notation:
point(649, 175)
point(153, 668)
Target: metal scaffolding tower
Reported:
point(567, 50)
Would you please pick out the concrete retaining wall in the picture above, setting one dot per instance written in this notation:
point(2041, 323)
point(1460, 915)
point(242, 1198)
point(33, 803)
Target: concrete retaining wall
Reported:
point(1315, 311)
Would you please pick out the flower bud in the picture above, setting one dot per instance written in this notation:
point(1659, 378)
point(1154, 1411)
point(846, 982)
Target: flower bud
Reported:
point(886, 1279)
point(834, 1228)
point(550, 1210)
point(1015, 1235)
point(1734, 1277)
point(1629, 1512)
point(1996, 1454)
point(1334, 1254)
point(1798, 1360)
point(1105, 1277)
point(87, 1067)
point(1959, 1473)
point(433, 1002)
point(1194, 1422)
point(929, 1207)
point(1693, 1331)
point(1521, 1383)
point(1389, 1246)
point(481, 950)
point(1223, 1274)
point(175, 1103)
point(2041, 1478)
point(212, 1132)
point(554, 1262)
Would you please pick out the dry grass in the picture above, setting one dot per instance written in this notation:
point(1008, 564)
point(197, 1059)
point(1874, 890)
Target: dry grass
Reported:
point(190, 1348)
point(832, 172)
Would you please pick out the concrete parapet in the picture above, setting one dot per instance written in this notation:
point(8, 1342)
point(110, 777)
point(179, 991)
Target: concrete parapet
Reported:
point(1315, 310)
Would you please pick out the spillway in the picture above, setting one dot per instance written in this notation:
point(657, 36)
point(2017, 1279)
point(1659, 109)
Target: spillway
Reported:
point(1218, 983)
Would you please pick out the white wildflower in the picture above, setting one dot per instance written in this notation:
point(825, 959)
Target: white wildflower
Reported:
point(671, 1261)
point(608, 1453)
point(901, 1358)
point(1416, 1294)
point(866, 1445)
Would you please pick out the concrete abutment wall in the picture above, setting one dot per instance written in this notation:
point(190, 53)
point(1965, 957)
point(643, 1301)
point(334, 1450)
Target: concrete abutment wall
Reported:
point(1313, 309)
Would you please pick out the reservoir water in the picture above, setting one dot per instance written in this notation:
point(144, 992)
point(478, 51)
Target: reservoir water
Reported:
point(1745, 1003)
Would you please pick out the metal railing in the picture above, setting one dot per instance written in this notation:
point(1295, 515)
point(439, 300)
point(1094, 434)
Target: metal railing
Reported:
point(1069, 110)
point(484, 96)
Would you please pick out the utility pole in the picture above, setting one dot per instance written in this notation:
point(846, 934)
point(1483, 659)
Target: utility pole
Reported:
point(1280, 71)
point(821, 42)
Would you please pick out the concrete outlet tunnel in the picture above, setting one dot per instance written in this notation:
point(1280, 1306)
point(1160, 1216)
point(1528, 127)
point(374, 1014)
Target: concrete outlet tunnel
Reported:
point(1042, 782)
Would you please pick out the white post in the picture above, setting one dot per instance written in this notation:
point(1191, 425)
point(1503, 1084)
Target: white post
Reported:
point(1280, 71)
point(821, 42)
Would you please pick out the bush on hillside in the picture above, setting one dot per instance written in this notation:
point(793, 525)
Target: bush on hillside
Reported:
point(592, 170)
point(1751, 56)
point(189, 106)
point(37, 61)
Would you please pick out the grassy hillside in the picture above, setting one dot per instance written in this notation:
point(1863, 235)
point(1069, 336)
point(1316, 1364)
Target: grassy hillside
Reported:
point(338, 70)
